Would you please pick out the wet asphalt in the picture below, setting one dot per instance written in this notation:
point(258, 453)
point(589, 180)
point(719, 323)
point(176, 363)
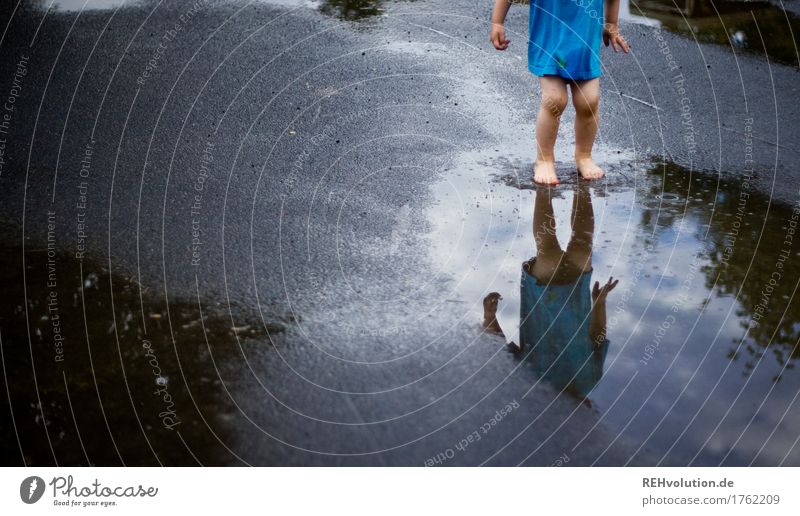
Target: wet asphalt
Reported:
point(274, 165)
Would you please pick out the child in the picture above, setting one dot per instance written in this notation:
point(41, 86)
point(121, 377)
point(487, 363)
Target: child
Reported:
point(564, 49)
point(562, 318)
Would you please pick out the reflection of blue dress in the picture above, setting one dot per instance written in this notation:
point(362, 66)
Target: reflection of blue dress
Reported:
point(554, 330)
point(565, 38)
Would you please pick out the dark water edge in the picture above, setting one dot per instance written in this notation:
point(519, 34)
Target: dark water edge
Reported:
point(760, 28)
point(101, 371)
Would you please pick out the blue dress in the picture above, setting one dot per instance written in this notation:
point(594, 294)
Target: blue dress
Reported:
point(565, 38)
point(554, 331)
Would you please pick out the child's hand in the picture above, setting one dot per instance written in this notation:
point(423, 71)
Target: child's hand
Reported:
point(498, 36)
point(600, 293)
point(612, 36)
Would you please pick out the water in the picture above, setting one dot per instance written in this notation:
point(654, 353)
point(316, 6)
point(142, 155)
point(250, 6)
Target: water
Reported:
point(761, 28)
point(132, 381)
point(703, 326)
point(343, 9)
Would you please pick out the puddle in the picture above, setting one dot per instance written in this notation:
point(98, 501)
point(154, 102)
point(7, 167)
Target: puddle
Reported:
point(343, 9)
point(757, 27)
point(351, 9)
point(108, 393)
point(703, 326)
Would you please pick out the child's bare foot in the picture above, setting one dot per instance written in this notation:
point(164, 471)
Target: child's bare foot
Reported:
point(544, 172)
point(588, 168)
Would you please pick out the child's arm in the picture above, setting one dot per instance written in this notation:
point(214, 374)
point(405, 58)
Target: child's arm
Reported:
point(490, 321)
point(611, 33)
point(497, 35)
point(490, 313)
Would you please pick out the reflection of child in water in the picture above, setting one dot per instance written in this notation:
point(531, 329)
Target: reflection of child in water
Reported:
point(562, 320)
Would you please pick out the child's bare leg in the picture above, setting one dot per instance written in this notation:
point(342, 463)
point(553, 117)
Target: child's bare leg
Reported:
point(586, 99)
point(579, 249)
point(554, 101)
point(548, 250)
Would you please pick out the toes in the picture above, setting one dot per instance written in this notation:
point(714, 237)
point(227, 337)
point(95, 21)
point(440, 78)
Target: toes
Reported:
point(545, 177)
point(589, 173)
point(546, 180)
